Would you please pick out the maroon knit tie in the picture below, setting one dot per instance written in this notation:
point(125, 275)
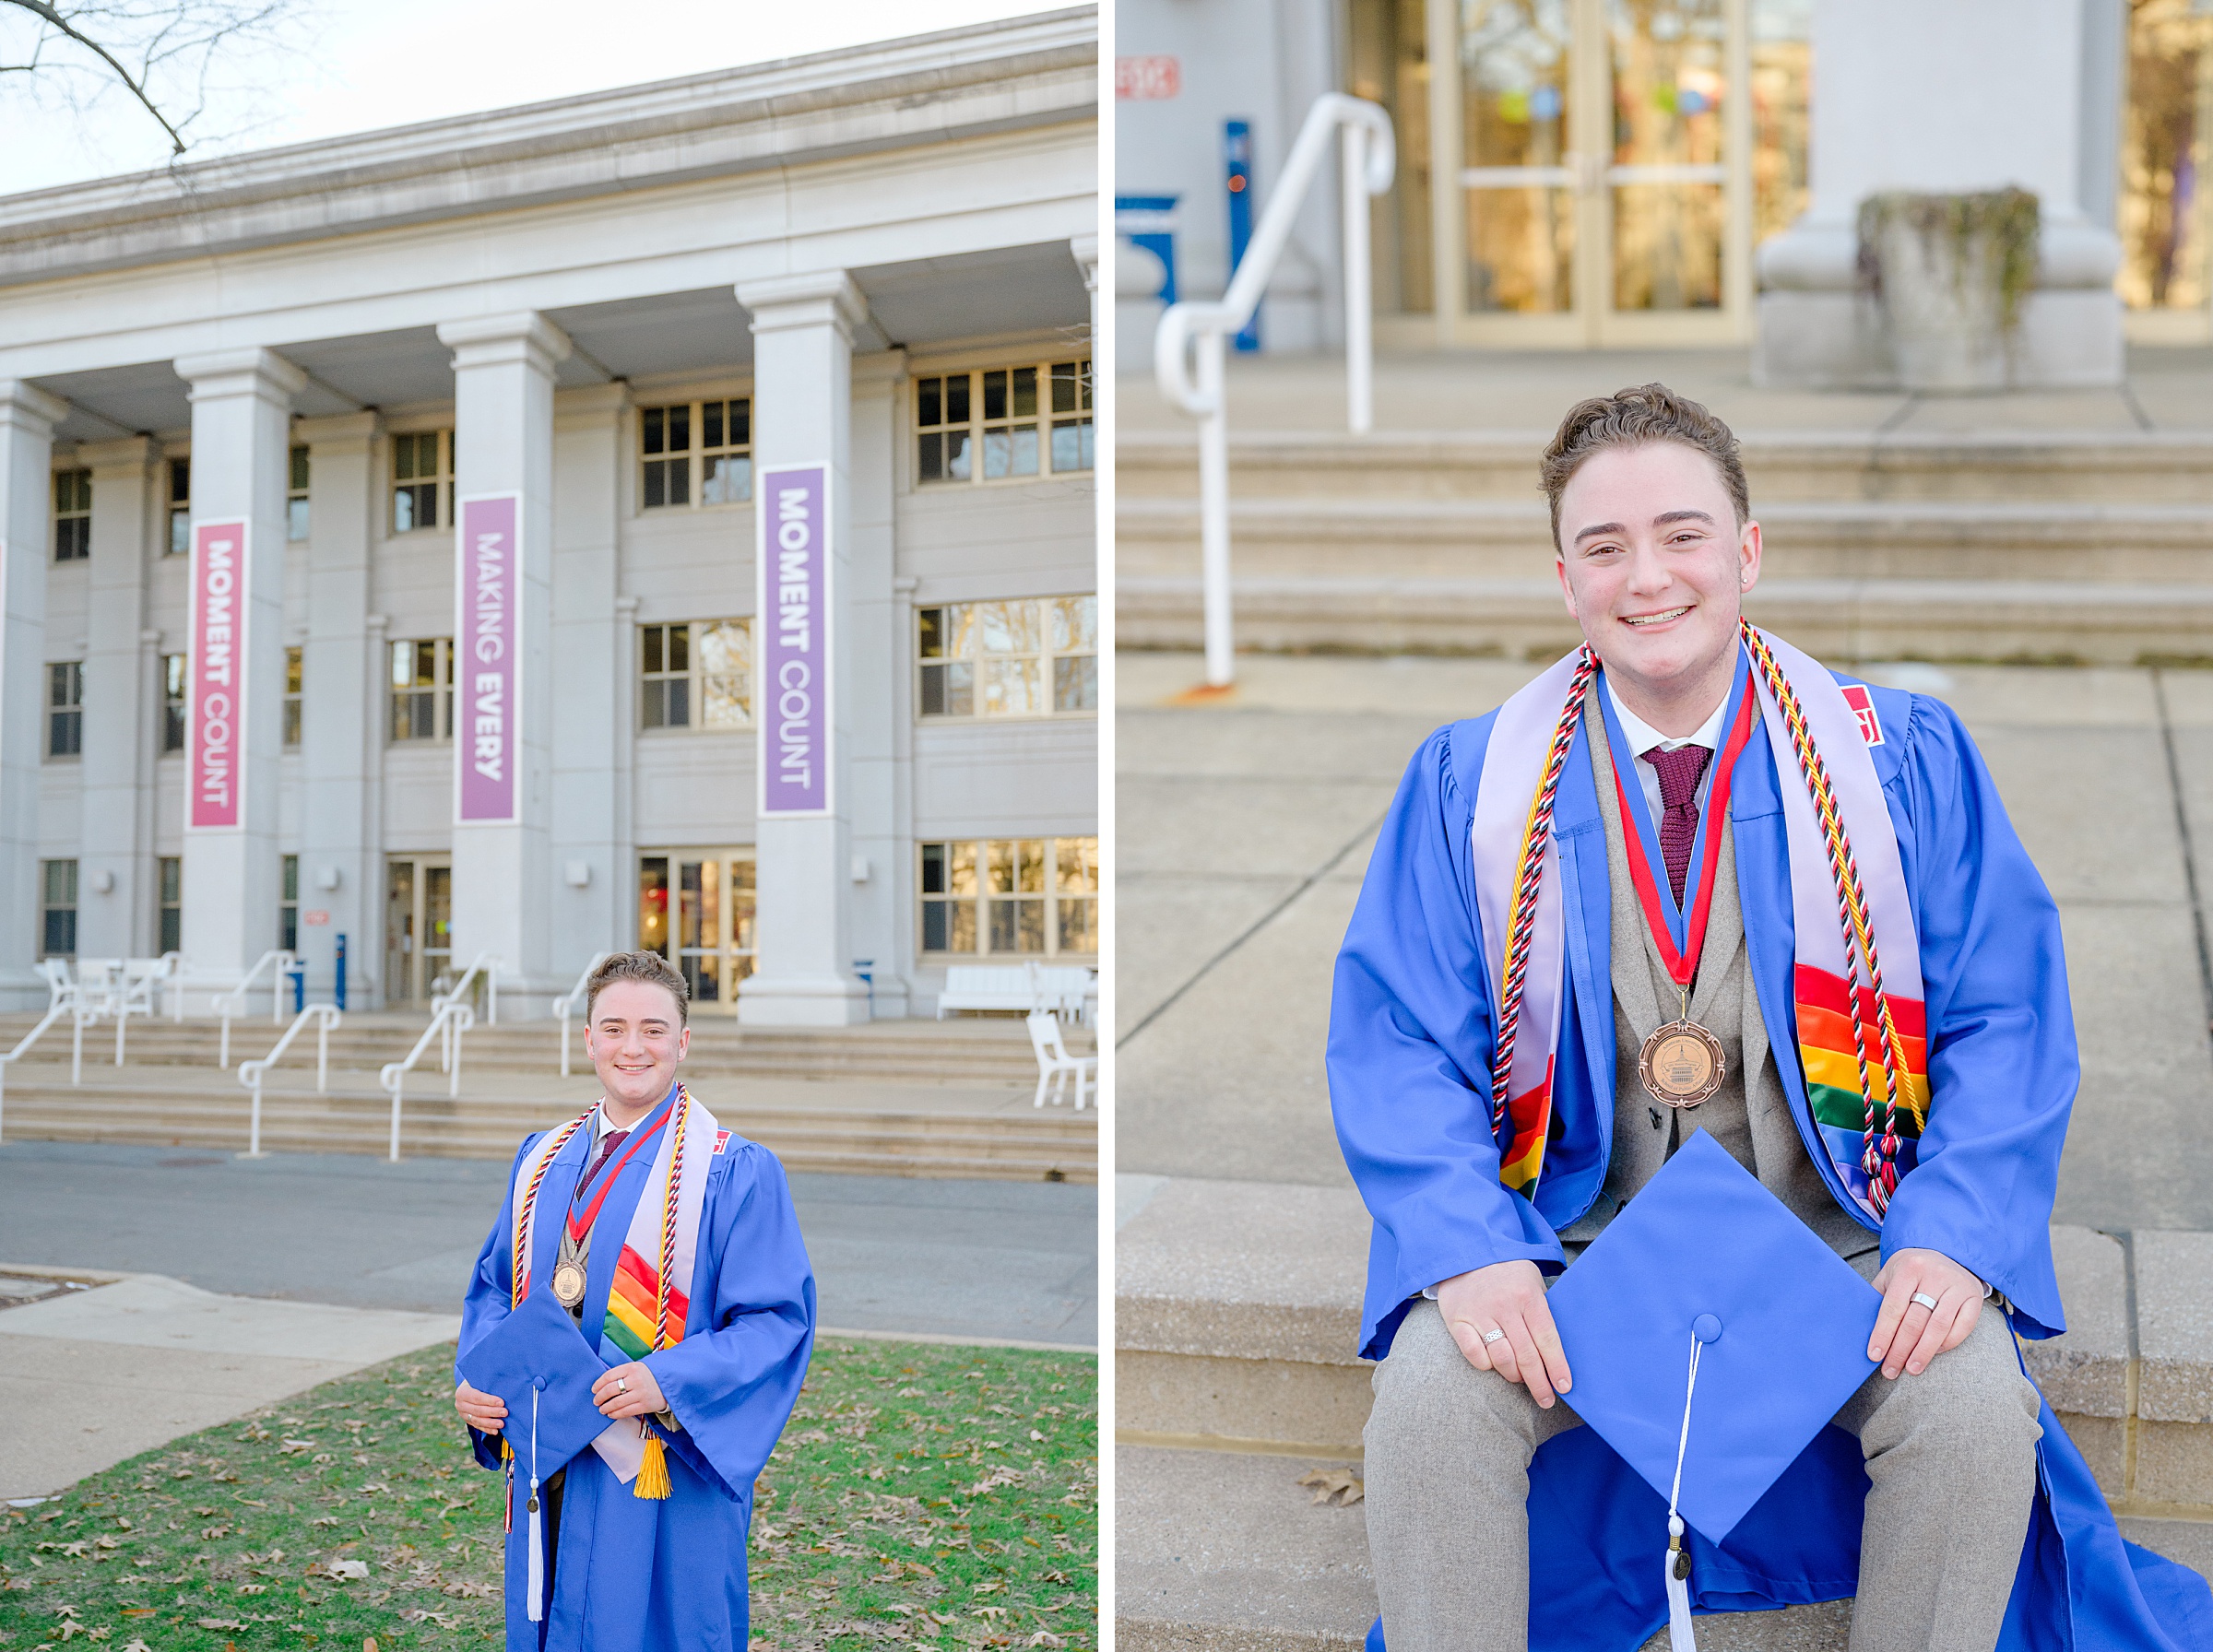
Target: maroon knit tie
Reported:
point(1680, 771)
point(616, 1137)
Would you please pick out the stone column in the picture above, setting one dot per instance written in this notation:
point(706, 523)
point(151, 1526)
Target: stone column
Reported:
point(803, 329)
point(1942, 100)
point(115, 872)
point(503, 669)
point(27, 416)
point(591, 862)
point(240, 463)
point(877, 657)
point(340, 696)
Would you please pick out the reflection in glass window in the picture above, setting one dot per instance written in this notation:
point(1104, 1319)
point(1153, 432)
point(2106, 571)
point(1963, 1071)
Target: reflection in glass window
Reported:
point(422, 690)
point(72, 515)
point(1027, 658)
point(2164, 151)
point(1027, 422)
point(422, 476)
point(1035, 897)
point(295, 498)
point(696, 675)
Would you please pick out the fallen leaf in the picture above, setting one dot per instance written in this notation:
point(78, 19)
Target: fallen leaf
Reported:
point(1045, 1638)
point(355, 1569)
point(1340, 1488)
point(220, 1623)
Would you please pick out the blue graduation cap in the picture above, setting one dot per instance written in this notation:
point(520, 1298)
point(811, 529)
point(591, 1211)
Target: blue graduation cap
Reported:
point(1711, 1336)
point(536, 1353)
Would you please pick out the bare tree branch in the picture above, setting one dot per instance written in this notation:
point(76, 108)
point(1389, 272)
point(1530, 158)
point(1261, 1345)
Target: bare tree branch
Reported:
point(54, 20)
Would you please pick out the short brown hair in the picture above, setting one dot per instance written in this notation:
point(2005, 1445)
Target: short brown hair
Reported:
point(648, 967)
point(1636, 418)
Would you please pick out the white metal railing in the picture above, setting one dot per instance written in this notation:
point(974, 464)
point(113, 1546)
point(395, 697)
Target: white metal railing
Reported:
point(234, 1001)
point(61, 1004)
point(484, 966)
point(250, 1073)
point(1188, 348)
point(451, 1021)
point(565, 1005)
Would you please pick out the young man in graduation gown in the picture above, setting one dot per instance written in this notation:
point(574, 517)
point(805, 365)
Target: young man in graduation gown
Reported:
point(633, 1371)
point(1675, 870)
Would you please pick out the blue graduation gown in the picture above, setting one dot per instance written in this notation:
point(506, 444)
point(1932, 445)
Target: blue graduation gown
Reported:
point(1409, 1063)
point(638, 1575)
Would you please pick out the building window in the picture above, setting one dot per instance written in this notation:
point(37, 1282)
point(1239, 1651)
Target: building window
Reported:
point(288, 909)
point(57, 900)
point(172, 702)
point(708, 931)
point(1031, 658)
point(717, 435)
point(293, 670)
point(295, 498)
point(1034, 896)
point(697, 675)
point(999, 414)
point(172, 904)
point(72, 515)
point(422, 476)
point(423, 689)
point(65, 709)
point(180, 506)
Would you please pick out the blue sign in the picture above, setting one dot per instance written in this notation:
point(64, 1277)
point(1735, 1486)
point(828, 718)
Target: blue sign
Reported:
point(1237, 158)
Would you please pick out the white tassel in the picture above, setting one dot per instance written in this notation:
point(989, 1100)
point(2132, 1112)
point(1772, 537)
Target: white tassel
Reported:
point(537, 1541)
point(1679, 1635)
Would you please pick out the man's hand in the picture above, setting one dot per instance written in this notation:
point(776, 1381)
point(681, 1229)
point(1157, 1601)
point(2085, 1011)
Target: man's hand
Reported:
point(629, 1391)
point(1909, 1334)
point(1509, 1297)
point(487, 1413)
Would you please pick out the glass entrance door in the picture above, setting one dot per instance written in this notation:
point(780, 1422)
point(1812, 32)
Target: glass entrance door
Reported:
point(419, 928)
point(696, 908)
point(1596, 160)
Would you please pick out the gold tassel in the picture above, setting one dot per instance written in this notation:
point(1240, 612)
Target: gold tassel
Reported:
point(507, 1451)
point(653, 1473)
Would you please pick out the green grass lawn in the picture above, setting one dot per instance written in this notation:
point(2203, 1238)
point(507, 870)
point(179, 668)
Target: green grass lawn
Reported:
point(943, 1495)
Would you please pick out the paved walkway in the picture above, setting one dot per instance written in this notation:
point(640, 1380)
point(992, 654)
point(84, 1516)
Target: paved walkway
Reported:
point(2167, 389)
point(1247, 826)
point(979, 1259)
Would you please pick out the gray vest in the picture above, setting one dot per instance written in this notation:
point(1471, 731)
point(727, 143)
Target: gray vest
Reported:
point(1750, 1115)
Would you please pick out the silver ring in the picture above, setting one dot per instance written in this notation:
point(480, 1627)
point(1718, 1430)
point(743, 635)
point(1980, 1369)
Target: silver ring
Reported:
point(621, 1384)
point(1926, 1300)
point(1490, 1337)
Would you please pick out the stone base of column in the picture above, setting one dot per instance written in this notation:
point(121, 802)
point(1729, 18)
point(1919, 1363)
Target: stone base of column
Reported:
point(23, 990)
point(802, 1001)
point(1819, 330)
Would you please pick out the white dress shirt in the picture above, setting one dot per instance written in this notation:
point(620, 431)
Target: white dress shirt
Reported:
point(1643, 737)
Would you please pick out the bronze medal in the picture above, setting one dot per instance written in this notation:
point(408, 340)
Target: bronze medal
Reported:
point(568, 1281)
point(1682, 1064)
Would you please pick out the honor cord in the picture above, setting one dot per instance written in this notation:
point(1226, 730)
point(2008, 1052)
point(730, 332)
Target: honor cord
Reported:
point(1679, 1635)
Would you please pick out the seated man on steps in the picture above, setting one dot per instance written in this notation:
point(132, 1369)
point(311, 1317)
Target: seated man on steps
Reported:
point(661, 1257)
point(1609, 915)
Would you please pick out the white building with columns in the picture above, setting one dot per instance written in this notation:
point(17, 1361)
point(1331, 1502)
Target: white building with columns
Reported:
point(378, 533)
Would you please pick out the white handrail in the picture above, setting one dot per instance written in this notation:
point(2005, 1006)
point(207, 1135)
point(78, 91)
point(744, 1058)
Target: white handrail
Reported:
point(61, 1003)
point(234, 1001)
point(325, 1017)
point(451, 1021)
point(1191, 377)
point(565, 1005)
point(485, 965)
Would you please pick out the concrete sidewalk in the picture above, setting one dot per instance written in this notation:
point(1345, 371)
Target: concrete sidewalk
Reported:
point(1259, 813)
point(96, 1376)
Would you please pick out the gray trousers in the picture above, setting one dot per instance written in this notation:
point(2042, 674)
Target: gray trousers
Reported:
point(1951, 1456)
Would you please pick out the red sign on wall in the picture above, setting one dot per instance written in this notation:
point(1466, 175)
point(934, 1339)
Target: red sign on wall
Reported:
point(1145, 79)
point(215, 723)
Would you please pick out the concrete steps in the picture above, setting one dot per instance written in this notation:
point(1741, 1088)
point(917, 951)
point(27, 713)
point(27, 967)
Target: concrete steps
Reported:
point(210, 1110)
point(1236, 1309)
point(2013, 546)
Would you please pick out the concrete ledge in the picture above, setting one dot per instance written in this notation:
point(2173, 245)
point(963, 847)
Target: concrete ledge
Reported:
point(1251, 1404)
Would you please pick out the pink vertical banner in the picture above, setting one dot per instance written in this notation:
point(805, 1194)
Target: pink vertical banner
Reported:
point(214, 716)
point(487, 655)
point(792, 699)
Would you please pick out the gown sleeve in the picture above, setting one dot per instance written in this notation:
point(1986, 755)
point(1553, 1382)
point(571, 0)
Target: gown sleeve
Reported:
point(2003, 1066)
point(486, 1304)
point(732, 1385)
point(1410, 1045)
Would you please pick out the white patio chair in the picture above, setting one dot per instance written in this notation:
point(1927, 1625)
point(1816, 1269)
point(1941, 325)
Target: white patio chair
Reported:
point(1055, 1065)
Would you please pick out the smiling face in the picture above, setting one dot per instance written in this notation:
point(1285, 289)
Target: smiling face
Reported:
point(636, 1039)
point(1654, 566)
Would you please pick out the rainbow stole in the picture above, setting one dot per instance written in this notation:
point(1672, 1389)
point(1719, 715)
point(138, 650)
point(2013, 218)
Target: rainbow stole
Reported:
point(1819, 743)
point(663, 1236)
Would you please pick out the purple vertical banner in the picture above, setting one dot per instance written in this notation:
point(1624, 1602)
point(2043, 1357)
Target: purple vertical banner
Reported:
point(487, 657)
point(792, 699)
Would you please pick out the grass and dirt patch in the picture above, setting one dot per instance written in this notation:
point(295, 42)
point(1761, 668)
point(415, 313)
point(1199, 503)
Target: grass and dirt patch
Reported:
point(939, 1495)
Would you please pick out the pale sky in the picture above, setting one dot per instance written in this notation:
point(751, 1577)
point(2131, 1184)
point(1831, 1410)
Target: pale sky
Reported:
point(390, 62)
